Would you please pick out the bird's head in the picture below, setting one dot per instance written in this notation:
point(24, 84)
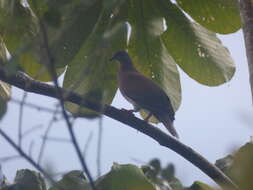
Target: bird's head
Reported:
point(121, 56)
point(124, 60)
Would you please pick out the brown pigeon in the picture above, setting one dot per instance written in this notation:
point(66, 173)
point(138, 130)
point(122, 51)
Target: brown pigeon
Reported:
point(143, 93)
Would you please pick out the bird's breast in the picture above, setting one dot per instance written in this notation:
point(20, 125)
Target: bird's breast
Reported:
point(126, 85)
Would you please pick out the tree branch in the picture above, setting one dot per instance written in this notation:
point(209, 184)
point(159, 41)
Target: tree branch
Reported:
point(26, 83)
point(246, 10)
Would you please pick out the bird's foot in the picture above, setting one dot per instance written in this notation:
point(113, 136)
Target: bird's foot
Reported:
point(148, 117)
point(128, 111)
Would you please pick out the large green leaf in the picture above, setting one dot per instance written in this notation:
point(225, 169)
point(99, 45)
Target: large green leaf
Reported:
point(68, 25)
point(124, 177)
point(90, 73)
point(221, 16)
point(196, 50)
point(76, 25)
point(148, 52)
point(20, 35)
point(73, 180)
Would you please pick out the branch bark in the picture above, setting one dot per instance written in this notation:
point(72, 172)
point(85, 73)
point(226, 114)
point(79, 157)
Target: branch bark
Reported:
point(246, 10)
point(26, 83)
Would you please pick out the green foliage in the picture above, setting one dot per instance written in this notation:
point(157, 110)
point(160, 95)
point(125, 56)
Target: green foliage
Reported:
point(239, 166)
point(163, 178)
point(20, 33)
point(149, 177)
point(197, 51)
point(3, 182)
point(27, 180)
point(216, 15)
point(124, 177)
point(199, 186)
point(83, 34)
point(72, 180)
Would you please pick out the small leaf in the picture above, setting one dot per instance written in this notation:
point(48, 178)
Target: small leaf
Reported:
point(29, 180)
point(163, 178)
point(156, 164)
point(168, 172)
point(216, 15)
point(124, 177)
point(149, 172)
point(196, 50)
point(197, 185)
point(73, 180)
point(225, 163)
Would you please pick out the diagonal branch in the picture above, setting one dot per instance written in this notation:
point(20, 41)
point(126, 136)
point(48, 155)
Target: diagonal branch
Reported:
point(26, 83)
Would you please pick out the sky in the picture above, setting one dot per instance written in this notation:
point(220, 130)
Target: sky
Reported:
point(212, 120)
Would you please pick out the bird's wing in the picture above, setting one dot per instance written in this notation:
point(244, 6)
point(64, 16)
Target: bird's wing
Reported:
point(148, 95)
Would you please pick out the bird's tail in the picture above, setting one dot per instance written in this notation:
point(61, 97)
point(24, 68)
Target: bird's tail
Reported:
point(169, 125)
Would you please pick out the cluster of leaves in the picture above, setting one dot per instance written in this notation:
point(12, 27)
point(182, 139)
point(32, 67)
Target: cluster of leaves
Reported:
point(124, 177)
point(84, 34)
point(149, 177)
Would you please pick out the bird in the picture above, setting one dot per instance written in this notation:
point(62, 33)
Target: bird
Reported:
point(143, 93)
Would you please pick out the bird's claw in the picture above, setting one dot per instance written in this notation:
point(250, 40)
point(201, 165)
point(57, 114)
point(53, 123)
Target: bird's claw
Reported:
point(148, 117)
point(128, 111)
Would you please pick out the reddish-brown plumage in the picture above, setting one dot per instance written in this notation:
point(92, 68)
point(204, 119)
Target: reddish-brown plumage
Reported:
point(143, 93)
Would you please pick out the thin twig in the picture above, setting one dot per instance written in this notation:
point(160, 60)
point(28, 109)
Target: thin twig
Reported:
point(31, 148)
point(20, 120)
point(20, 80)
point(43, 144)
point(29, 131)
point(31, 105)
point(24, 155)
point(87, 144)
point(9, 158)
point(51, 68)
point(99, 145)
point(56, 139)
